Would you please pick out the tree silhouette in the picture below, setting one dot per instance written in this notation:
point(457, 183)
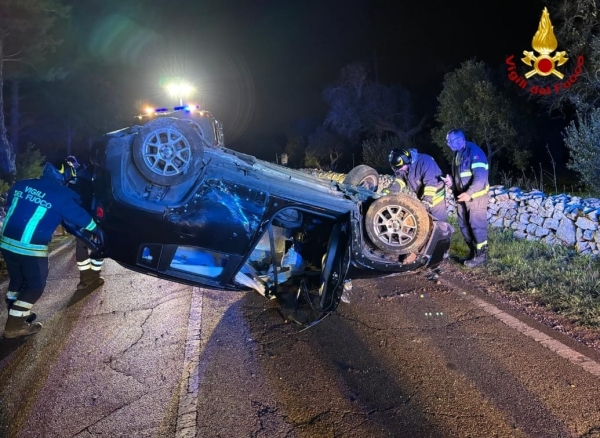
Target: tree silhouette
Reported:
point(25, 38)
point(359, 106)
point(471, 101)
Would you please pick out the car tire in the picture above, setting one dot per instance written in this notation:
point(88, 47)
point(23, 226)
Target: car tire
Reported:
point(397, 224)
point(363, 176)
point(168, 151)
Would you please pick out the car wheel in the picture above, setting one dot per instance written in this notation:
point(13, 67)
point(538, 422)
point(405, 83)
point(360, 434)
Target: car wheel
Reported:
point(397, 224)
point(168, 151)
point(363, 176)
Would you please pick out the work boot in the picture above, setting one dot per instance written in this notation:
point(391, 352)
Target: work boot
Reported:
point(471, 253)
point(479, 259)
point(84, 279)
point(89, 279)
point(96, 280)
point(17, 326)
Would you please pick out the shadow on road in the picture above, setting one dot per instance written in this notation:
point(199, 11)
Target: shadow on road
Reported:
point(80, 294)
point(9, 346)
point(324, 381)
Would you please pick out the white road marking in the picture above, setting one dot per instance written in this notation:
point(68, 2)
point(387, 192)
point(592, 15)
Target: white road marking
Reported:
point(188, 390)
point(552, 344)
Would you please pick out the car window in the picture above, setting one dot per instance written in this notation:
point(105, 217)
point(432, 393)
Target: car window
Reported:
point(198, 261)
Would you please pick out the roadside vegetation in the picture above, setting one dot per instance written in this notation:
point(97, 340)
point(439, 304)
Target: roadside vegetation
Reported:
point(553, 276)
point(30, 164)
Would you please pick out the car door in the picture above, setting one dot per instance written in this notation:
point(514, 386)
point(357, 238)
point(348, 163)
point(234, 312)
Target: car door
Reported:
point(335, 267)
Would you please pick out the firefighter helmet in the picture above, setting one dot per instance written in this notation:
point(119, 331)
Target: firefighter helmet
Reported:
point(68, 168)
point(399, 157)
point(50, 171)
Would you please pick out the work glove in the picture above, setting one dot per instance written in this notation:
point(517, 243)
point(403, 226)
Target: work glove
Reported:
point(98, 237)
point(463, 197)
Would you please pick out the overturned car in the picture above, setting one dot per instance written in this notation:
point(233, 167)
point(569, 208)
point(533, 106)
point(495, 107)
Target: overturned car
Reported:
point(174, 202)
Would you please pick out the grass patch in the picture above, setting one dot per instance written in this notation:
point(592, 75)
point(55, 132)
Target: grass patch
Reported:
point(553, 276)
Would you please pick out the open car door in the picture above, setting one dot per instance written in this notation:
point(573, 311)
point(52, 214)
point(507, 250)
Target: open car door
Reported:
point(313, 305)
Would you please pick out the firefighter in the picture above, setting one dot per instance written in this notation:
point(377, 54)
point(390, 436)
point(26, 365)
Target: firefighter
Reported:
point(89, 268)
point(423, 176)
point(470, 185)
point(35, 209)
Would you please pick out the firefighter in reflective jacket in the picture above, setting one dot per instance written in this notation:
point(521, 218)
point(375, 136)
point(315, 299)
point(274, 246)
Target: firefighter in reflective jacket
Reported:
point(35, 209)
point(423, 176)
point(89, 268)
point(471, 191)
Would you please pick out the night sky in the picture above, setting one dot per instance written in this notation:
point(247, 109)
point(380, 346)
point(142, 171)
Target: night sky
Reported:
point(261, 66)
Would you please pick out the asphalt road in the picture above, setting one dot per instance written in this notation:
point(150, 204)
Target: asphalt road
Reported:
point(408, 357)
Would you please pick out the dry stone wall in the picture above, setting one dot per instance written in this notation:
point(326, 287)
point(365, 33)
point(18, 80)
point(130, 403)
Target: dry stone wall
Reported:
point(558, 219)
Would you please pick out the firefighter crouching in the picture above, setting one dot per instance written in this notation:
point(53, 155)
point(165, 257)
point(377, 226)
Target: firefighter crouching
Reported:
point(423, 176)
point(35, 209)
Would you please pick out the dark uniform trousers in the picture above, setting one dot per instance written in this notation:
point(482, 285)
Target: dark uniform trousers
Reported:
point(84, 262)
point(472, 219)
point(439, 211)
point(27, 275)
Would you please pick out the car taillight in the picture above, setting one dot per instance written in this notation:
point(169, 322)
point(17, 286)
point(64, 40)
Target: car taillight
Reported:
point(100, 212)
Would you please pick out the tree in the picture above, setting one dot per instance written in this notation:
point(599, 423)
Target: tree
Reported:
point(471, 101)
point(376, 151)
point(324, 149)
point(78, 107)
point(582, 140)
point(25, 36)
point(295, 149)
point(359, 106)
point(577, 31)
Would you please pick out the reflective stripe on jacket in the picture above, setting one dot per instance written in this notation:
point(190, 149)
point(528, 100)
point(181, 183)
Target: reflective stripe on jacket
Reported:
point(470, 171)
point(35, 209)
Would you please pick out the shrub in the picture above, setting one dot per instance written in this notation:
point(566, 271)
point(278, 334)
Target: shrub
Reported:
point(583, 140)
point(375, 151)
point(312, 160)
point(30, 164)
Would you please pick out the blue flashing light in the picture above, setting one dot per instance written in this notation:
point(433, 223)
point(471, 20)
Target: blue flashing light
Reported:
point(187, 108)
